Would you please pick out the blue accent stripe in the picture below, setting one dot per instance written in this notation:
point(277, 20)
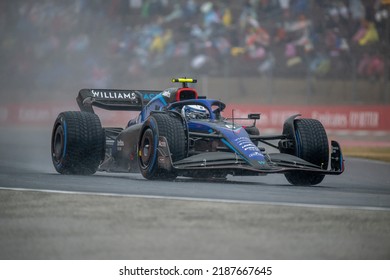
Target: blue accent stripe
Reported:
point(65, 139)
point(159, 97)
point(155, 152)
point(155, 140)
point(234, 150)
point(298, 143)
point(162, 100)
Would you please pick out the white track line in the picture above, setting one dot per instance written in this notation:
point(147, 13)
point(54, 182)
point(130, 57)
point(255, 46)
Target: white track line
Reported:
point(307, 205)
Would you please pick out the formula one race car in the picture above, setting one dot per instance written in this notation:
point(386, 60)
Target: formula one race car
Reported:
point(179, 133)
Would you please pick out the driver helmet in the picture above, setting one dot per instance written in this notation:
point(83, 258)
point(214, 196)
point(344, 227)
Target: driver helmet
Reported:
point(197, 112)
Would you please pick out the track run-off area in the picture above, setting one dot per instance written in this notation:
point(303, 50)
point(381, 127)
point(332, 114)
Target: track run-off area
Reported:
point(45, 215)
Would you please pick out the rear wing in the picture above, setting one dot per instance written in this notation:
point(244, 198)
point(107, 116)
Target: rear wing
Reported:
point(115, 100)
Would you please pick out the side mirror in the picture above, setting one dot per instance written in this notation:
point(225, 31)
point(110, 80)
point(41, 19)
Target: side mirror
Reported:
point(254, 116)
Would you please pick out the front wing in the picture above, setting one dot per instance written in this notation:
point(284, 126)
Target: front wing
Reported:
point(231, 163)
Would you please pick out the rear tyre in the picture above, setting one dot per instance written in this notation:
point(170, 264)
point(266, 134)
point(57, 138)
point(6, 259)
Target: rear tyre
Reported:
point(312, 146)
point(77, 143)
point(171, 127)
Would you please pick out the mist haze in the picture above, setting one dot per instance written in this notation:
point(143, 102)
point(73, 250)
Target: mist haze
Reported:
point(257, 49)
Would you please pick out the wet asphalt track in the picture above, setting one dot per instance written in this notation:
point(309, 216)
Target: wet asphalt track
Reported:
point(346, 216)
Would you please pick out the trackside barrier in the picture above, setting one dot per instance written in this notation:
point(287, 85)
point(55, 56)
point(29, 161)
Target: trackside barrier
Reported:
point(342, 118)
point(345, 119)
point(44, 114)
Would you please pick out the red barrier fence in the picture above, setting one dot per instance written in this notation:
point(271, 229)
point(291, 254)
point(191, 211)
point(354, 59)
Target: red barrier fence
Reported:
point(343, 118)
point(372, 118)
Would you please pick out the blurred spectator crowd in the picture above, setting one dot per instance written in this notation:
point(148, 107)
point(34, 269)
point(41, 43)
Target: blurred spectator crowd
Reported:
point(102, 43)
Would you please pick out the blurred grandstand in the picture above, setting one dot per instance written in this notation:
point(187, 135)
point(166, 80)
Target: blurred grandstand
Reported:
point(68, 45)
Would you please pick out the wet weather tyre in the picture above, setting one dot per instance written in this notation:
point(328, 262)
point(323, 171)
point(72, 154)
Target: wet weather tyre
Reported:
point(172, 128)
point(77, 143)
point(312, 146)
point(253, 130)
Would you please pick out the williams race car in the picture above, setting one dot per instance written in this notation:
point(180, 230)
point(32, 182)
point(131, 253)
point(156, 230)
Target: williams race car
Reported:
point(179, 133)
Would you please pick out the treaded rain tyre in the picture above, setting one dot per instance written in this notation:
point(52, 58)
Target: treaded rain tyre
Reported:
point(169, 126)
point(312, 146)
point(253, 130)
point(77, 143)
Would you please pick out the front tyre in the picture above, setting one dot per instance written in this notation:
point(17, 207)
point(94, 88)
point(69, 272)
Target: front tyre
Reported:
point(171, 127)
point(253, 130)
point(312, 146)
point(77, 143)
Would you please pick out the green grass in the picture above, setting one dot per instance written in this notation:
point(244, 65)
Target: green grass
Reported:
point(380, 153)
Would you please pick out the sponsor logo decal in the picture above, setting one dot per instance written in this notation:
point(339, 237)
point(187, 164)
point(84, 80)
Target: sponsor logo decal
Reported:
point(149, 96)
point(166, 93)
point(114, 95)
point(246, 144)
point(162, 143)
point(255, 154)
point(120, 143)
